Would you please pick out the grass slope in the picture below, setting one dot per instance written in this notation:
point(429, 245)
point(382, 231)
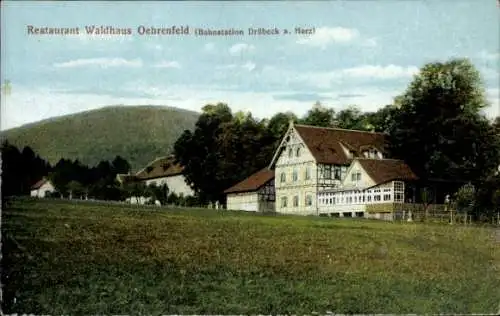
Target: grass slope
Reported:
point(65, 258)
point(137, 133)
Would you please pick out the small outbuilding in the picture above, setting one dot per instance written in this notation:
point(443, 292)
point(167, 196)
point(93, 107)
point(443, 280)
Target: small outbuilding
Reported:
point(42, 188)
point(254, 194)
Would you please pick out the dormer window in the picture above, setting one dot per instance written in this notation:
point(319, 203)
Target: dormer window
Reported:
point(297, 152)
point(351, 153)
point(290, 153)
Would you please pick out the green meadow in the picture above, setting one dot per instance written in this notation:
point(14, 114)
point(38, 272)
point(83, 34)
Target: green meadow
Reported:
point(84, 258)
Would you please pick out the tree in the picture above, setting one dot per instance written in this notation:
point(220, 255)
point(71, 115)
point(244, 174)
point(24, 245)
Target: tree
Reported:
point(223, 150)
point(439, 130)
point(75, 188)
point(464, 197)
point(278, 124)
point(319, 116)
point(197, 151)
point(351, 118)
point(120, 165)
point(159, 193)
point(381, 120)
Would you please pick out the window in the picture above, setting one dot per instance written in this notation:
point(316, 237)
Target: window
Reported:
point(359, 214)
point(295, 176)
point(296, 201)
point(297, 152)
point(369, 198)
point(290, 153)
point(283, 177)
point(356, 176)
point(337, 173)
point(376, 198)
point(308, 173)
point(283, 201)
point(399, 191)
point(328, 172)
point(308, 200)
point(387, 197)
point(347, 214)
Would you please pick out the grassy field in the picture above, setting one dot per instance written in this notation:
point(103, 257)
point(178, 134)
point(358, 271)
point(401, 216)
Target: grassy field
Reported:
point(68, 258)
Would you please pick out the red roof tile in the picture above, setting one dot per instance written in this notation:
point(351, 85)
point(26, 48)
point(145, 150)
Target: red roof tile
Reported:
point(39, 184)
point(252, 183)
point(159, 168)
point(325, 143)
point(385, 170)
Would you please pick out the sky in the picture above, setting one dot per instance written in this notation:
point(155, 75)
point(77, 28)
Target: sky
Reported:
point(360, 53)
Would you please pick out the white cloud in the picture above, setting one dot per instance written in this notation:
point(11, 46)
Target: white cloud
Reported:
point(325, 36)
point(168, 64)
point(380, 72)
point(239, 48)
point(100, 62)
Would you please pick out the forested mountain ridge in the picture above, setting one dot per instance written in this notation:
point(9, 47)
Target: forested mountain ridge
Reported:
point(136, 133)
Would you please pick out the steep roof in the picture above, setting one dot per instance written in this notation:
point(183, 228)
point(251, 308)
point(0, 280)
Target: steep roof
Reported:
point(159, 168)
point(252, 183)
point(385, 170)
point(325, 144)
point(39, 184)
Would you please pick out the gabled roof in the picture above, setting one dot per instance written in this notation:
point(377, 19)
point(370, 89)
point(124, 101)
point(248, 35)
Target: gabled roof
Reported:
point(159, 168)
point(385, 170)
point(325, 144)
point(39, 184)
point(252, 183)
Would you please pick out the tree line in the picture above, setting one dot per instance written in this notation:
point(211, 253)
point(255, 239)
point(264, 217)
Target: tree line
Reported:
point(435, 125)
point(21, 169)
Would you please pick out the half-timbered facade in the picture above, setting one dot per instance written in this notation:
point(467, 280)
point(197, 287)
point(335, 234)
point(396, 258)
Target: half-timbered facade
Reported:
point(335, 172)
point(254, 194)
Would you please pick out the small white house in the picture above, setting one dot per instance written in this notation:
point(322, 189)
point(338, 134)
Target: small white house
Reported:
point(254, 194)
point(164, 170)
point(42, 188)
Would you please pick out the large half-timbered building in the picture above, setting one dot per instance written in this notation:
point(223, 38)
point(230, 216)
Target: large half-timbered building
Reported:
point(335, 172)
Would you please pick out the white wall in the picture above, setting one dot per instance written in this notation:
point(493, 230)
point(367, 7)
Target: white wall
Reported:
point(364, 182)
point(176, 184)
point(302, 186)
point(248, 201)
point(43, 190)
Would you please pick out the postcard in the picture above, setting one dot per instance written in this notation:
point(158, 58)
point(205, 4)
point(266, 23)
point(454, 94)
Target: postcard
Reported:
point(250, 157)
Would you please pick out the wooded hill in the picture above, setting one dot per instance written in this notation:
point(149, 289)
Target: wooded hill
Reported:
point(136, 133)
